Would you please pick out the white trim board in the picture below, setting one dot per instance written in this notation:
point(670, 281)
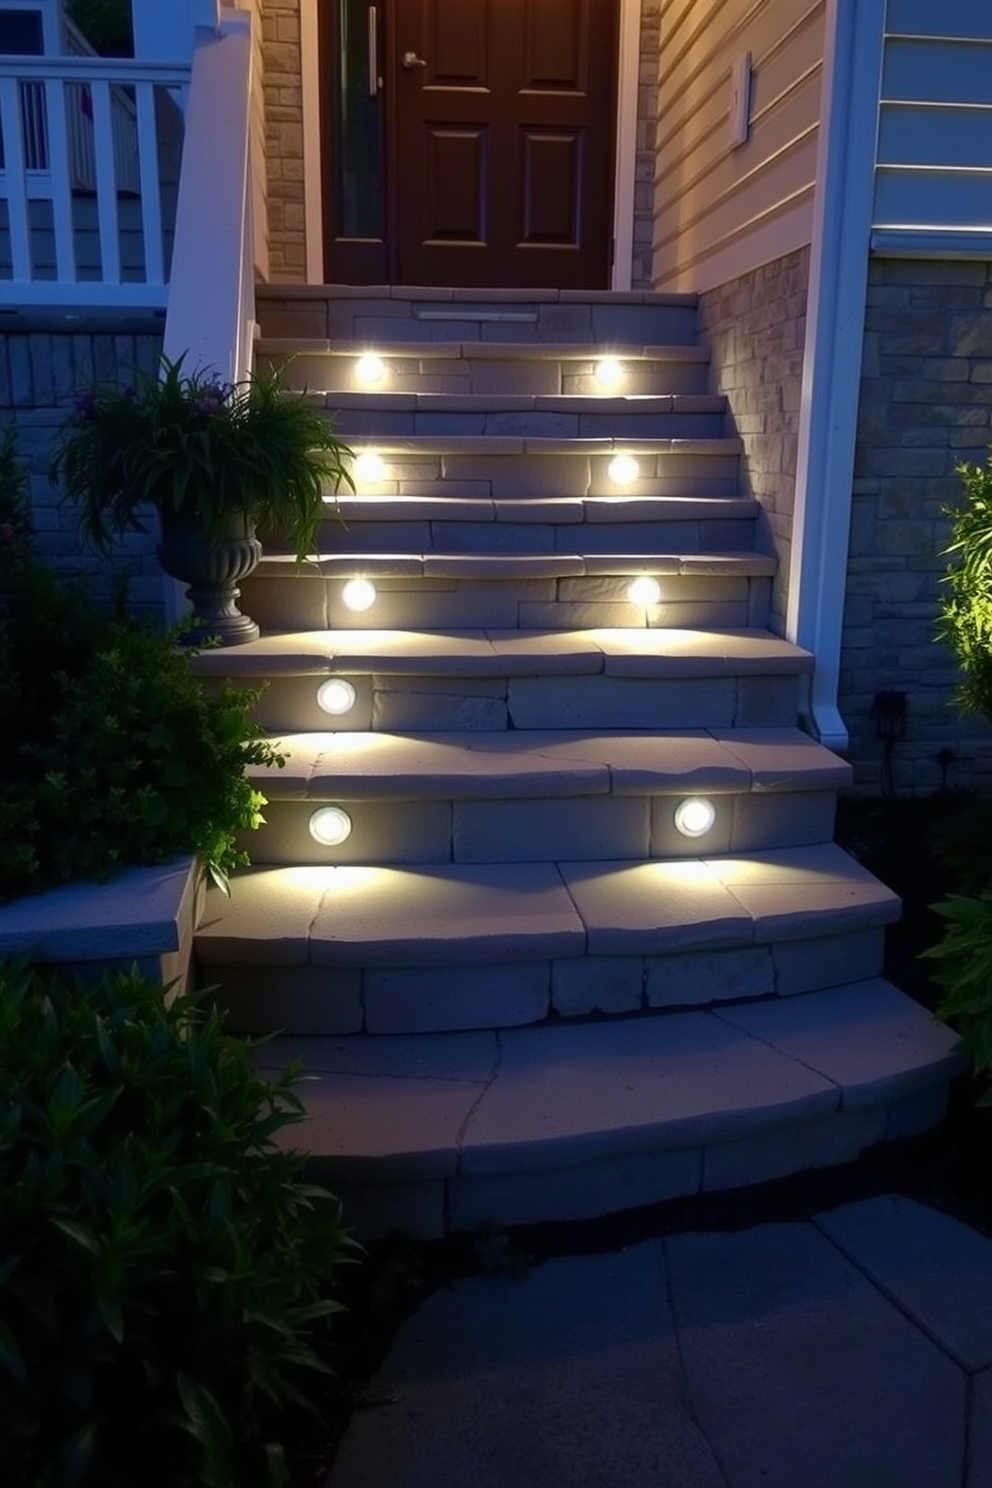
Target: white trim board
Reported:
point(627, 89)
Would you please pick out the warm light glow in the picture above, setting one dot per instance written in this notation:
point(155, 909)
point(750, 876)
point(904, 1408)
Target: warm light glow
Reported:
point(330, 826)
point(359, 594)
point(369, 467)
point(644, 590)
point(369, 369)
point(623, 469)
point(336, 696)
point(695, 816)
point(609, 372)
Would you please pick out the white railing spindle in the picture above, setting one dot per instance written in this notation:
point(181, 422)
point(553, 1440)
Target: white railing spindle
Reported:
point(151, 205)
point(106, 183)
point(58, 165)
point(14, 170)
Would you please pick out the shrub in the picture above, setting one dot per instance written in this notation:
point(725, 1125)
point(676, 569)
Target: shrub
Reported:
point(965, 621)
point(112, 751)
point(964, 973)
point(161, 1270)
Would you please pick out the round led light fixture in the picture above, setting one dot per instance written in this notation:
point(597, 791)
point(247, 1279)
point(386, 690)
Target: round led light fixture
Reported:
point(644, 590)
point(359, 594)
point(623, 469)
point(369, 467)
point(695, 816)
point(330, 826)
point(336, 696)
point(369, 369)
point(609, 372)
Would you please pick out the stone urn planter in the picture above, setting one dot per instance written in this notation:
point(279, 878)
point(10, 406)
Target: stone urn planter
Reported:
point(211, 564)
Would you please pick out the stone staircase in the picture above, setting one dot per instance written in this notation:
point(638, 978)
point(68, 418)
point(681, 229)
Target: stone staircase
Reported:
point(533, 974)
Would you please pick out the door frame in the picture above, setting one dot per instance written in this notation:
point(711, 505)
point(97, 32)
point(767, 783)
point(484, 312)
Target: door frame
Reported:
point(626, 137)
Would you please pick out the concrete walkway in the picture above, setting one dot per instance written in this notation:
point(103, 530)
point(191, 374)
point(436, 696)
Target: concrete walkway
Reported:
point(853, 1351)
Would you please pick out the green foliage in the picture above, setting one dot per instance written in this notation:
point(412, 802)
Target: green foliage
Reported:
point(964, 973)
point(190, 444)
point(112, 752)
point(965, 620)
point(163, 1277)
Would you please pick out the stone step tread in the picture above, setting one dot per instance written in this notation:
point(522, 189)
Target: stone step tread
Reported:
point(551, 510)
point(444, 296)
point(382, 766)
point(537, 1100)
point(494, 445)
point(435, 915)
point(641, 653)
point(501, 565)
point(649, 405)
point(502, 351)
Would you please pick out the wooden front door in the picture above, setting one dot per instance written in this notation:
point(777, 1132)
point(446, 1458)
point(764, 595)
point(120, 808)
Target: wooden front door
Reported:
point(486, 141)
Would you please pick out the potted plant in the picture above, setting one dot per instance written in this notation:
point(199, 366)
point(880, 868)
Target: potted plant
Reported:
point(216, 460)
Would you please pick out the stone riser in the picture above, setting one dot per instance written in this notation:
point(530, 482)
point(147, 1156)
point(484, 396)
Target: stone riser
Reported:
point(331, 1000)
point(663, 532)
point(567, 829)
point(382, 317)
point(444, 704)
point(460, 371)
point(370, 423)
point(688, 602)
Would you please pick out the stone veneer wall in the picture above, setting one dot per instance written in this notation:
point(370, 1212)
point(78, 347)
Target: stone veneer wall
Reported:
point(645, 161)
point(40, 372)
point(755, 328)
point(283, 94)
point(926, 405)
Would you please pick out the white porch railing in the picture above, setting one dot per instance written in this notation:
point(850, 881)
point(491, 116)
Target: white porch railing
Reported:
point(75, 131)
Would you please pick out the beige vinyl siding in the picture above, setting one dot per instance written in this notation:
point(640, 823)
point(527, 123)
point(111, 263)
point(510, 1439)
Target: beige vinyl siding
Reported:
point(934, 157)
point(259, 204)
point(720, 212)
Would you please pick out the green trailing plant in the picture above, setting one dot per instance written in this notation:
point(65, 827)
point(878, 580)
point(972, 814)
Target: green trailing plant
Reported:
point(963, 971)
point(192, 446)
point(164, 1276)
point(112, 751)
point(965, 619)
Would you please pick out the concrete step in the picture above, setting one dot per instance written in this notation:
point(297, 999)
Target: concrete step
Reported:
point(481, 367)
point(550, 591)
point(373, 314)
point(498, 679)
point(521, 797)
point(363, 416)
point(433, 1135)
point(436, 947)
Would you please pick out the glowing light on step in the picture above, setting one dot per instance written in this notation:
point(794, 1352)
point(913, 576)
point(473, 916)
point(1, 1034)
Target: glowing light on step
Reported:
point(609, 372)
point(695, 816)
point(330, 826)
point(644, 590)
point(369, 369)
point(623, 469)
point(336, 696)
point(369, 467)
point(359, 594)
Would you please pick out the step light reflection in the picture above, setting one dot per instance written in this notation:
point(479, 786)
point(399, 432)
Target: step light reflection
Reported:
point(330, 826)
point(336, 696)
point(623, 470)
point(695, 816)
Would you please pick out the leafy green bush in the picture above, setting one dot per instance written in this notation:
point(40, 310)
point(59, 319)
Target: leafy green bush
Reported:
point(112, 751)
point(965, 620)
point(964, 973)
point(162, 1274)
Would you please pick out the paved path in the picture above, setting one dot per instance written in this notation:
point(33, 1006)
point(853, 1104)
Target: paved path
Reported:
point(853, 1351)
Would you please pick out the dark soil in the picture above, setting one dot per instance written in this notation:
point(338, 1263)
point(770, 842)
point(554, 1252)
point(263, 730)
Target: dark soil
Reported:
point(949, 1169)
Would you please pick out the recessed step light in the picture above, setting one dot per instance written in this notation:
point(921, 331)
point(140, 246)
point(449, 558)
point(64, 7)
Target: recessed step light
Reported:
point(695, 816)
point(330, 826)
point(369, 369)
point(336, 696)
point(623, 470)
point(359, 594)
point(369, 467)
point(609, 372)
point(644, 590)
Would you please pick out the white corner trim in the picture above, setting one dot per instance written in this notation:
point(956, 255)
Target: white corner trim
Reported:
point(312, 178)
point(629, 66)
point(842, 213)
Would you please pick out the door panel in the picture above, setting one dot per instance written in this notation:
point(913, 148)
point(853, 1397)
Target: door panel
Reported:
point(521, 92)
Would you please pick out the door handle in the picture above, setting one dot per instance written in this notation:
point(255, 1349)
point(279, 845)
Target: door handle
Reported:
point(373, 51)
point(411, 60)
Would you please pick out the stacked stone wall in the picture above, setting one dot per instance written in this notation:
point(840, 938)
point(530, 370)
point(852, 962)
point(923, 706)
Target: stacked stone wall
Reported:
point(40, 373)
point(755, 328)
point(925, 406)
point(283, 95)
